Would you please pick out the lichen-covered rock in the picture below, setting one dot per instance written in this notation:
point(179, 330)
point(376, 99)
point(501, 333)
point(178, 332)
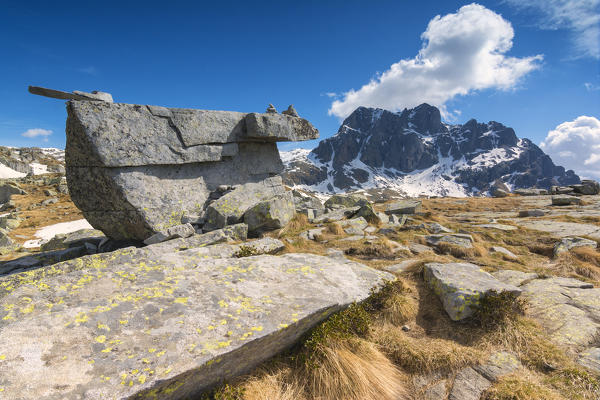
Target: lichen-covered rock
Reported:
point(118, 153)
point(273, 213)
point(367, 212)
point(460, 286)
point(168, 326)
point(354, 226)
point(177, 231)
point(565, 200)
point(455, 239)
point(403, 207)
point(504, 252)
point(8, 189)
point(590, 359)
point(346, 201)
point(568, 243)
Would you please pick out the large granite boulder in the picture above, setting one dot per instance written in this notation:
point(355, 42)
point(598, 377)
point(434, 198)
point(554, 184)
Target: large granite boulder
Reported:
point(135, 170)
point(160, 323)
point(460, 286)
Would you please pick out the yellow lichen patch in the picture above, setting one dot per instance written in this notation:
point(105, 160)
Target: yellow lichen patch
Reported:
point(103, 326)
point(181, 300)
point(151, 350)
point(28, 309)
point(257, 328)
point(101, 339)
point(160, 353)
point(81, 318)
point(107, 350)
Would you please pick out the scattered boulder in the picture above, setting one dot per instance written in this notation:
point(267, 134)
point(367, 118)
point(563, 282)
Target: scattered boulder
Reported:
point(512, 277)
point(565, 200)
point(367, 212)
point(568, 243)
point(5, 241)
point(336, 215)
point(468, 385)
point(587, 187)
point(270, 214)
point(47, 202)
point(531, 192)
point(590, 359)
point(504, 252)
point(10, 222)
point(401, 266)
point(434, 227)
point(418, 248)
point(460, 286)
point(346, 201)
point(74, 239)
point(403, 207)
point(531, 213)
point(177, 231)
point(118, 153)
point(311, 234)
point(193, 320)
point(304, 202)
point(455, 239)
point(561, 190)
point(50, 193)
point(8, 189)
point(354, 226)
point(498, 193)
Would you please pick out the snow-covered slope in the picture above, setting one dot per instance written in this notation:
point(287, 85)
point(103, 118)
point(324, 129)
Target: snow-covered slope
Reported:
point(413, 153)
point(18, 162)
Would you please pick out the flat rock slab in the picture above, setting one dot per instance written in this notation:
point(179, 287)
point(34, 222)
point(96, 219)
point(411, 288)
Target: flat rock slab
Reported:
point(460, 286)
point(115, 326)
point(455, 239)
point(590, 359)
point(403, 207)
point(568, 243)
point(561, 229)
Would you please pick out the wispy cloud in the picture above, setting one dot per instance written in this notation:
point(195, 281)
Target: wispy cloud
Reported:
point(461, 53)
point(37, 132)
point(591, 87)
point(581, 17)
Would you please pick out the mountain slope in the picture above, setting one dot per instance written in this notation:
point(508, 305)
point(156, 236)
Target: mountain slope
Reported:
point(413, 153)
point(18, 162)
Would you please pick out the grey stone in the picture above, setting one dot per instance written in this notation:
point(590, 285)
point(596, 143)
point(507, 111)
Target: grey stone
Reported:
point(568, 243)
point(505, 252)
point(561, 229)
point(95, 95)
point(498, 193)
point(437, 228)
point(530, 192)
point(354, 238)
point(590, 358)
point(291, 111)
point(194, 219)
point(335, 253)
point(418, 248)
point(437, 391)
point(532, 213)
point(403, 207)
point(561, 190)
point(273, 213)
point(354, 226)
point(7, 190)
point(304, 201)
point(397, 220)
point(565, 200)
point(278, 127)
point(10, 222)
point(50, 193)
point(367, 212)
point(468, 385)
point(500, 227)
point(336, 215)
point(587, 187)
point(346, 201)
point(5, 241)
point(460, 286)
point(311, 233)
point(370, 229)
point(512, 277)
point(193, 321)
point(118, 153)
point(499, 364)
point(271, 109)
point(173, 232)
point(456, 239)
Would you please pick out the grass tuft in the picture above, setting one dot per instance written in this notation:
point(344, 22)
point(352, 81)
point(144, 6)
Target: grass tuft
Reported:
point(499, 308)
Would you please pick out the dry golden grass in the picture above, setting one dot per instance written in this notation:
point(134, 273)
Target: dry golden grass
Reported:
point(521, 385)
point(587, 254)
point(335, 229)
point(279, 384)
point(576, 264)
point(425, 354)
point(298, 223)
point(354, 370)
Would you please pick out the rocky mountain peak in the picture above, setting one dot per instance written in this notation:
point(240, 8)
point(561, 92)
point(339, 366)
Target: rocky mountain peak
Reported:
point(415, 153)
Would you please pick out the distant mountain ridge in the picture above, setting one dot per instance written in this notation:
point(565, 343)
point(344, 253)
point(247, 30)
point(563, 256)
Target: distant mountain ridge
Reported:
point(16, 162)
point(414, 153)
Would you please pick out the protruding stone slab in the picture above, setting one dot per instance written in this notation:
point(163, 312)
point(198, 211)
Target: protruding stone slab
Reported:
point(460, 286)
point(568, 243)
point(565, 200)
point(76, 95)
point(278, 127)
point(165, 327)
point(403, 207)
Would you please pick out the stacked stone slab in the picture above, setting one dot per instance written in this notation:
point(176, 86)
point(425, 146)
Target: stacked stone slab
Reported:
point(135, 170)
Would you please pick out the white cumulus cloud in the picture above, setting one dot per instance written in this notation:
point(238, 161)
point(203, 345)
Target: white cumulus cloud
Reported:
point(32, 133)
point(576, 145)
point(581, 17)
point(461, 53)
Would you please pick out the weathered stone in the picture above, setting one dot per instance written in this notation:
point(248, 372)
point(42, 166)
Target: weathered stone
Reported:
point(367, 212)
point(498, 193)
point(7, 190)
point(118, 153)
point(47, 202)
point(291, 111)
point(10, 222)
point(50, 193)
point(512, 277)
point(177, 231)
point(303, 201)
point(532, 213)
point(311, 234)
point(561, 190)
point(588, 187)
point(167, 326)
point(336, 215)
point(273, 213)
point(400, 267)
point(354, 226)
point(568, 243)
point(461, 286)
point(436, 392)
point(565, 200)
point(346, 201)
point(499, 364)
point(5, 241)
point(231, 207)
point(504, 252)
point(74, 239)
point(468, 385)
point(95, 95)
point(418, 248)
point(590, 359)
point(403, 207)
point(455, 239)
point(531, 192)
point(562, 229)
point(437, 228)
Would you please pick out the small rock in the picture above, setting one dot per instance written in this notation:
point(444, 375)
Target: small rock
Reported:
point(498, 193)
point(512, 277)
point(405, 328)
point(49, 201)
point(468, 385)
point(403, 207)
point(569, 243)
point(418, 248)
point(590, 359)
point(271, 109)
point(561, 190)
point(565, 200)
point(223, 188)
point(505, 252)
point(8, 189)
point(500, 227)
point(273, 213)
point(311, 233)
point(354, 226)
point(437, 228)
point(335, 253)
point(177, 231)
point(456, 239)
point(291, 111)
point(370, 229)
point(346, 201)
point(50, 192)
point(461, 286)
point(193, 219)
point(531, 192)
point(531, 213)
point(367, 212)
point(499, 364)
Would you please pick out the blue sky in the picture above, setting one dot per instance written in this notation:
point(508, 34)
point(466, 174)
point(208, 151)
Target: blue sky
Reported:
point(242, 56)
